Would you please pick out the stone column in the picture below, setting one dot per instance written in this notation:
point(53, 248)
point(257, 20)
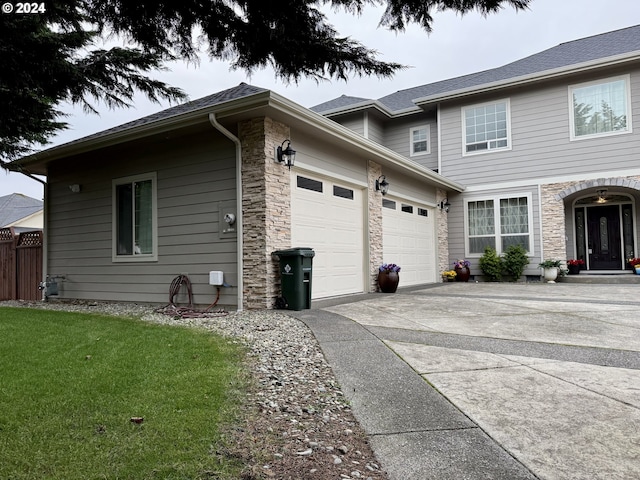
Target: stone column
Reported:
point(442, 229)
point(266, 209)
point(554, 235)
point(375, 224)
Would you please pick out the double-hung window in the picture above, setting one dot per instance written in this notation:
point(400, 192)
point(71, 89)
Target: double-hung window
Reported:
point(498, 223)
point(135, 219)
point(600, 108)
point(486, 127)
point(419, 140)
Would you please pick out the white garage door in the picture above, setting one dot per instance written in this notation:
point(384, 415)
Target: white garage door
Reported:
point(409, 240)
point(327, 216)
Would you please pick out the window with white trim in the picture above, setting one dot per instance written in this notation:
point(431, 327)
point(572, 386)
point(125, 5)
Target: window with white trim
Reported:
point(135, 219)
point(419, 140)
point(498, 223)
point(486, 127)
point(600, 108)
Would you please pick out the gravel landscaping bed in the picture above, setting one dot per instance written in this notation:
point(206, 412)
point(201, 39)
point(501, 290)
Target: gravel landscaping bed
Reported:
point(297, 424)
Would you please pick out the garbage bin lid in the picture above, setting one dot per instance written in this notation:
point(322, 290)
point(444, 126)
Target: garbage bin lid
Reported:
point(295, 252)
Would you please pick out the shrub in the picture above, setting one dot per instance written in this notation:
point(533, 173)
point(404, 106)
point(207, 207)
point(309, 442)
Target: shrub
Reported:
point(491, 265)
point(515, 260)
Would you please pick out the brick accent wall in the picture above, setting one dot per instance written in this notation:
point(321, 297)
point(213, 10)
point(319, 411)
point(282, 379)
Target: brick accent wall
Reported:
point(375, 225)
point(266, 211)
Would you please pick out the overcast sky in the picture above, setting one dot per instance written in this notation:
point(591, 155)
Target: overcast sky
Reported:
point(457, 46)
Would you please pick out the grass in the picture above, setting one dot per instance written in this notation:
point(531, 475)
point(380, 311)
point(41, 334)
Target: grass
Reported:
point(70, 384)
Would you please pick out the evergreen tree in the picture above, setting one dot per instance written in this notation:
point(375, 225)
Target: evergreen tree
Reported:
point(52, 56)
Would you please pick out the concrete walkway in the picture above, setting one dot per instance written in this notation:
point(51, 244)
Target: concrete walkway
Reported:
point(492, 381)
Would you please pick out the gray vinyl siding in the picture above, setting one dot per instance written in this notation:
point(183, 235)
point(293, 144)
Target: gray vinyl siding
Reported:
point(353, 121)
point(375, 129)
point(540, 139)
point(458, 232)
point(195, 178)
point(397, 138)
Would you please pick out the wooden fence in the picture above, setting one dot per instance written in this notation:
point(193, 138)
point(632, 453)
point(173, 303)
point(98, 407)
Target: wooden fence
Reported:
point(20, 265)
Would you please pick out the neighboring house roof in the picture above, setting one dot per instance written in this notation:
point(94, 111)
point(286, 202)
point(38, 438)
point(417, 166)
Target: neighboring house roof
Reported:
point(568, 55)
point(16, 207)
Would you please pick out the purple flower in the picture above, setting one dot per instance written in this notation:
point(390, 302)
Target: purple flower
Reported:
point(462, 263)
point(389, 267)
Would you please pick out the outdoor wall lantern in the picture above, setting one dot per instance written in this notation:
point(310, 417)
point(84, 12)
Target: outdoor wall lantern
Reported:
point(286, 156)
point(382, 185)
point(444, 205)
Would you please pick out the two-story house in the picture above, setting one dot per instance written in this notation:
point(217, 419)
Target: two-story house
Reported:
point(545, 147)
point(540, 152)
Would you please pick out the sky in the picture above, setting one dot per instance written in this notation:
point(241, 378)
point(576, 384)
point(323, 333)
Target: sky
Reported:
point(458, 45)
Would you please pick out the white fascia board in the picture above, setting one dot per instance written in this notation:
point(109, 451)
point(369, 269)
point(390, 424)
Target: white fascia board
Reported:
point(531, 78)
point(379, 153)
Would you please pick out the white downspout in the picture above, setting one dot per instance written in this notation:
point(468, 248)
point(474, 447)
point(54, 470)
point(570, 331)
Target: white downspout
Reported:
point(239, 243)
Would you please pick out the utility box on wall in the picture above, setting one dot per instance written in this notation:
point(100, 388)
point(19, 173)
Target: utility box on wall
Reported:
point(216, 278)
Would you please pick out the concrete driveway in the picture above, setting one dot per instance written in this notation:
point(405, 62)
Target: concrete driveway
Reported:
point(550, 373)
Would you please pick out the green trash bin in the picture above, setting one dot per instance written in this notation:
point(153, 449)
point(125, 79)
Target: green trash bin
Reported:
point(296, 267)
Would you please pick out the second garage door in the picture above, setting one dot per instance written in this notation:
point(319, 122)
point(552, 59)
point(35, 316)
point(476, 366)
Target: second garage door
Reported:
point(409, 240)
point(327, 215)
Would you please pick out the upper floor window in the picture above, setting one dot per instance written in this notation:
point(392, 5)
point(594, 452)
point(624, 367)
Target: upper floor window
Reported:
point(419, 140)
point(600, 108)
point(486, 127)
point(135, 218)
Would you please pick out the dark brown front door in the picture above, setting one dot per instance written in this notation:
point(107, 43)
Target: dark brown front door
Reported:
point(603, 236)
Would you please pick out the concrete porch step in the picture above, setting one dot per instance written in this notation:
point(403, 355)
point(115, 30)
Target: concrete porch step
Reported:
point(618, 278)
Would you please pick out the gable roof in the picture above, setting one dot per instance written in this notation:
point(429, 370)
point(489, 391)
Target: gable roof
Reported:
point(564, 57)
point(17, 206)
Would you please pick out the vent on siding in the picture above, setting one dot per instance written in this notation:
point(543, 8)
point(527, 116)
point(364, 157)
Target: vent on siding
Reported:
point(309, 184)
point(342, 192)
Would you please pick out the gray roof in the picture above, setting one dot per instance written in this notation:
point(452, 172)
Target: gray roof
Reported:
point(566, 54)
point(234, 93)
point(17, 206)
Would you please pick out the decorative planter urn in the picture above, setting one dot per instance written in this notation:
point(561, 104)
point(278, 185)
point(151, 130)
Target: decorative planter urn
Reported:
point(462, 274)
point(388, 281)
point(550, 274)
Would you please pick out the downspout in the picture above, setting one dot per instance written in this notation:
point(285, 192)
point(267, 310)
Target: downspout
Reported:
point(239, 243)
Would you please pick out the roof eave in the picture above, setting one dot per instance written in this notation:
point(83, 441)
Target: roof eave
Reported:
point(158, 126)
point(377, 152)
point(531, 78)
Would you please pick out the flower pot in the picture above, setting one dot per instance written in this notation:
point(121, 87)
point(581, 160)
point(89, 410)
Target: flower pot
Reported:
point(550, 274)
point(462, 274)
point(573, 269)
point(637, 270)
point(388, 281)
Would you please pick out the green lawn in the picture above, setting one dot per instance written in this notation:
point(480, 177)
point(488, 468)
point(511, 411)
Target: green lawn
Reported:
point(71, 383)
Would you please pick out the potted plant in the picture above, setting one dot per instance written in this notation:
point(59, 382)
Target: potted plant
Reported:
point(449, 275)
point(388, 277)
point(574, 266)
point(461, 267)
point(550, 270)
point(635, 264)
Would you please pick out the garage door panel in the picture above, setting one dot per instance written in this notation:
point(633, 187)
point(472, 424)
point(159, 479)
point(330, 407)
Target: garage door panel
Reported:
point(409, 241)
point(334, 227)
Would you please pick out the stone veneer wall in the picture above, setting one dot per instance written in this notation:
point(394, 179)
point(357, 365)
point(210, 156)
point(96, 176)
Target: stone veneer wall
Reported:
point(442, 231)
point(553, 209)
point(375, 225)
point(266, 209)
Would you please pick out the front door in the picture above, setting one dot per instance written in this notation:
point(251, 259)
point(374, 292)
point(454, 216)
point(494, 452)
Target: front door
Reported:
point(603, 238)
